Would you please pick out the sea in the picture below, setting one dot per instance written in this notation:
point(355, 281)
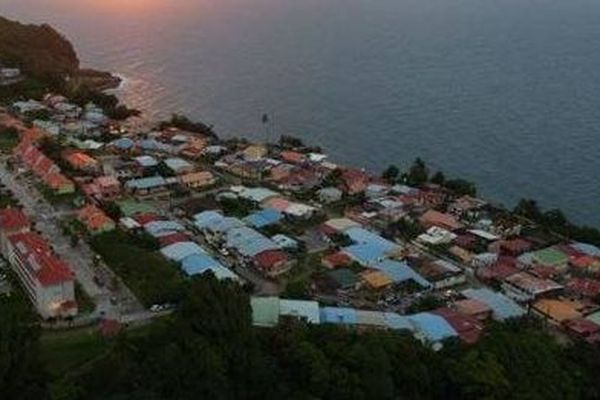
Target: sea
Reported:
point(502, 92)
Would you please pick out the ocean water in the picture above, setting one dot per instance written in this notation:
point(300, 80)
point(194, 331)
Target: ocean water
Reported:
point(503, 92)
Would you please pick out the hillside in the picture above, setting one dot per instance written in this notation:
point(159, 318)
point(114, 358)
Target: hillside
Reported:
point(39, 50)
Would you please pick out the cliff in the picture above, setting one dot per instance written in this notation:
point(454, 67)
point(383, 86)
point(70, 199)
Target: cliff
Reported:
point(39, 50)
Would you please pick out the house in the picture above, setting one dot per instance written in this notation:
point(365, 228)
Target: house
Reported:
point(145, 163)
point(400, 272)
point(550, 257)
point(442, 274)
point(329, 195)
point(196, 180)
point(179, 166)
point(336, 260)
point(95, 220)
point(263, 218)
point(583, 329)
point(512, 247)
point(198, 264)
point(103, 188)
point(341, 279)
point(432, 329)
point(285, 242)
point(376, 280)
point(292, 157)
point(255, 152)
point(354, 181)
point(524, 287)
point(584, 288)
point(80, 161)
point(272, 263)
point(469, 329)
point(12, 221)
point(436, 235)
point(556, 310)
point(473, 308)
point(47, 280)
point(503, 308)
point(59, 184)
point(433, 218)
point(153, 185)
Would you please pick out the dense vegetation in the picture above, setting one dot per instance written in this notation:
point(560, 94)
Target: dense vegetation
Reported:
point(39, 51)
point(209, 349)
point(184, 123)
point(145, 271)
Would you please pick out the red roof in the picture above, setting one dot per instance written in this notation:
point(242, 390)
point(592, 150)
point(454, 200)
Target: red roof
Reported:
point(338, 259)
point(436, 218)
point(144, 219)
point(270, 259)
point(292, 156)
point(497, 272)
point(583, 327)
point(39, 259)
point(468, 328)
point(584, 286)
point(515, 246)
point(12, 218)
point(173, 238)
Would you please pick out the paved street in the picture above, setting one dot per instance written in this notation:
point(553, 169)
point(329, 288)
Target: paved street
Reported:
point(80, 257)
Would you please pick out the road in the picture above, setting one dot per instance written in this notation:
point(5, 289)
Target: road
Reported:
point(80, 257)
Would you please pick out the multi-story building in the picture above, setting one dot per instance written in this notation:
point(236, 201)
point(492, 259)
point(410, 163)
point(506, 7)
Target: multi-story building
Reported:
point(47, 280)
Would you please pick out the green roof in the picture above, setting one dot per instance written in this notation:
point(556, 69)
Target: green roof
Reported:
point(595, 317)
point(132, 207)
point(550, 256)
point(265, 311)
point(344, 277)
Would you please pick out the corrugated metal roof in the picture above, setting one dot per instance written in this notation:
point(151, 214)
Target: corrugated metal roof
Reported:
point(397, 322)
point(197, 264)
point(502, 307)
point(162, 228)
point(249, 242)
point(265, 311)
point(263, 218)
point(338, 315)
point(431, 327)
point(400, 272)
point(303, 309)
point(179, 251)
point(146, 183)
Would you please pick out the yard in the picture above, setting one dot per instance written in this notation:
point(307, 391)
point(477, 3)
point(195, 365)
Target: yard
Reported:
point(151, 277)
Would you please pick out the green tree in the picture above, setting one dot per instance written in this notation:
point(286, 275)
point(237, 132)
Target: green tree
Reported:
point(418, 174)
point(438, 178)
point(21, 374)
point(391, 174)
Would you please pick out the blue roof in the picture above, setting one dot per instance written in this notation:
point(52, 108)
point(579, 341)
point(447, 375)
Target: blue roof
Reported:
point(397, 321)
point(285, 242)
point(124, 143)
point(249, 242)
point(363, 236)
point(177, 163)
point(432, 327)
point(146, 183)
point(178, 251)
point(400, 272)
point(586, 248)
point(197, 264)
point(163, 228)
point(502, 307)
point(338, 315)
point(263, 218)
point(153, 145)
point(215, 222)
point(369, 247)
point(305, 309)
point(365, 254)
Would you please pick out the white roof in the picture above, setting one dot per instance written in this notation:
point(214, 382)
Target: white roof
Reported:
point(484, 234)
